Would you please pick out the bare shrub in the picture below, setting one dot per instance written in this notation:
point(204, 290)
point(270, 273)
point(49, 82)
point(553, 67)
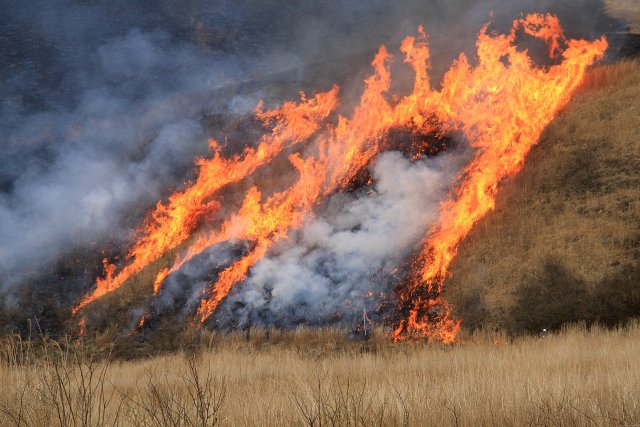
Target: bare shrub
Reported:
point(65, 386)
point(322, 400)
point(185, 398)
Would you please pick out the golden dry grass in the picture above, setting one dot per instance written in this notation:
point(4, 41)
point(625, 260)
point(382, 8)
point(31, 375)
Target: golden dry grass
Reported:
point(627, 10)
point(572, 378)
point(568, 226)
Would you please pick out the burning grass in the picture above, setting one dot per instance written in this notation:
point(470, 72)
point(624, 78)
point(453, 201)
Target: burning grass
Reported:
point(576, 199)
point(312, 377)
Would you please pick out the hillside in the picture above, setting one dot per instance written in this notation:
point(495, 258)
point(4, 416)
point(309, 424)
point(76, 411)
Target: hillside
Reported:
point(563, 243)
point(522, 268)
point(625, 10)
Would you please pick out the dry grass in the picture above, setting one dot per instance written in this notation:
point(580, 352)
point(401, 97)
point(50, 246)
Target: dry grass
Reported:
point(563, 243)
point(627, 10)
point(572, 378)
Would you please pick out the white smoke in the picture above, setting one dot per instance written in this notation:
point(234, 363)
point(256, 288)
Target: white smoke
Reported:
point(332, 265)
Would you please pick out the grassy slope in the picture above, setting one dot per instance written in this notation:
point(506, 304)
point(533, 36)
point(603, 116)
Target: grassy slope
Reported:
point(627, 10)
point(563, 243)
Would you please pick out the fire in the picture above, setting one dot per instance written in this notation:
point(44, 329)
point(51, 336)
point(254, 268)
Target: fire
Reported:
point(171, 223)
point(140, 325)
point(502, 110)
point(340, 155)
point(546, 27)
point(501, 105)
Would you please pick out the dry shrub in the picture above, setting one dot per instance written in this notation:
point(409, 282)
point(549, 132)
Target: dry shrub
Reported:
point(157, 403)
point(321, 399)
point(64, 385)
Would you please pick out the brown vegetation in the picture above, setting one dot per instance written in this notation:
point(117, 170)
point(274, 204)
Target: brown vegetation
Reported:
point(313, 377)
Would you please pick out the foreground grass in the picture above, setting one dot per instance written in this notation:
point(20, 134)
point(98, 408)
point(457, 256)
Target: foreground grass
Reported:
point(571, 378)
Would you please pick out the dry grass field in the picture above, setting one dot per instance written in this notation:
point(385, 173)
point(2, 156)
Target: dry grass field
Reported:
point(316, 378)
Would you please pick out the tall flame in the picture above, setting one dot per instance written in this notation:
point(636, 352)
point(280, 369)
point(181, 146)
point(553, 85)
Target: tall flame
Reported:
point(502, 109)
point(501, 105)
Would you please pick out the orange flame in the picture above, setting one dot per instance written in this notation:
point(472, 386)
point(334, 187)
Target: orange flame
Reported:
point(501, 105)
point(546, 27)
point(346, 150)
point(172, 223)
point(502, 110)
point(140, 324)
